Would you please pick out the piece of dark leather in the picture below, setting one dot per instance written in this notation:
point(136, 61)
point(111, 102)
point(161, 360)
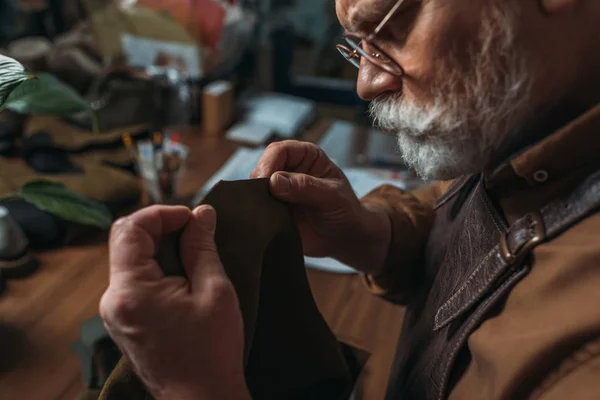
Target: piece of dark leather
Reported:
point(7, 144)
point(11, 127)
point(42, 229)
point(521, 231)
point(52, 161)
point(99, 355)
point(76, 141)
point(19, 266)
point(581, 202)
point(43, 156)
point(290, 352)
point(124, 100)
point(458, 241)
point(463, 278)
point(555, 218)
point(455, 188)
point(64, 144)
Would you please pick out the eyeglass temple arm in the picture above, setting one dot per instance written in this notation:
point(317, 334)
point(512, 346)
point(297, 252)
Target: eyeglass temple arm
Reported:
point(389, 15)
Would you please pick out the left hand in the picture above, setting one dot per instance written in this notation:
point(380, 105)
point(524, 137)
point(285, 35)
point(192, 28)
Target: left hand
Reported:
point(184, 338)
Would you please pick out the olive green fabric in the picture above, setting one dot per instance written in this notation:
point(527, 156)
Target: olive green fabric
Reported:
point(290, 352)
point(104, 146)
point(72, 138)
point(91, 152)
point(97, 182)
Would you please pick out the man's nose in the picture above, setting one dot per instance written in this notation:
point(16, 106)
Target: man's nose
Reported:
point(373, 81)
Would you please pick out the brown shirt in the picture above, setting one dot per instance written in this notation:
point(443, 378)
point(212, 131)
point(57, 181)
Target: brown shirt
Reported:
point(545, 343)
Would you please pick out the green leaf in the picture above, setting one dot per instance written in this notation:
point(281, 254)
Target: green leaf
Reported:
point(12, 73)
point(57, 199)
point(45, 95)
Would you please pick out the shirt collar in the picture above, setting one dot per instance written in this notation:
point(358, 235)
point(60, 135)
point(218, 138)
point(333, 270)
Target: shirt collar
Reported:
point(574, 146)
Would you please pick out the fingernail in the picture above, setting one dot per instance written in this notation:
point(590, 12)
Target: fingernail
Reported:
point(207, 217)
point(282, 183)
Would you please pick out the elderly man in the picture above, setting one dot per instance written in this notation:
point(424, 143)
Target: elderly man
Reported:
point(498, 267)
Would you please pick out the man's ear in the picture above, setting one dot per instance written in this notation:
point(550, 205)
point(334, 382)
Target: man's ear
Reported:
point(554, 6)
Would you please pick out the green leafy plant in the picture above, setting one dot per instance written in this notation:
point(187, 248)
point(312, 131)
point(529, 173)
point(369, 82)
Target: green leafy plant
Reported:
point(57, 199)
point(41, 94)
point(12, 73)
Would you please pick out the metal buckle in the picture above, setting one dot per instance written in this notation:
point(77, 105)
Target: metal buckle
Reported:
point(537, 223)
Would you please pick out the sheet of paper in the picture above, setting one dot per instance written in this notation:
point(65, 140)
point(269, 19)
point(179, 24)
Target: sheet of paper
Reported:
point(287, 115)
point(383, 149)
point(338, 141)
point(329, 265)
point(342, 138)
point(364, 180)
point(142, 52)
point(239, 166)
point(251, 133)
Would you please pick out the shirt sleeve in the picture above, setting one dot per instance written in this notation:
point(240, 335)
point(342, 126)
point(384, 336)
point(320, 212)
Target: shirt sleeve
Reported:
point(411, 215)
point(577, 377)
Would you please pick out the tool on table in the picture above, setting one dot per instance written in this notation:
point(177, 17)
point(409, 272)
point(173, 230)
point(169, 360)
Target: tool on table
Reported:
point(159, 162)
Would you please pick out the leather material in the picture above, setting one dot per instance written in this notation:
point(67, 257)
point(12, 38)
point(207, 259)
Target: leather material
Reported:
point(465, 275)
point(555, 217)
point(84, 146)
point(580, 203)
point(11, 128)
point(455, 249)
point(290, 353)
point(40, 154)
point(16, 261)
point(121, 99)
point(520, 233)
point(455, 188)
point(113, 187)
point(75, 140)
point(42, 229)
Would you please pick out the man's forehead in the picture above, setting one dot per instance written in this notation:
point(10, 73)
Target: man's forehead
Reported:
point(355, 14)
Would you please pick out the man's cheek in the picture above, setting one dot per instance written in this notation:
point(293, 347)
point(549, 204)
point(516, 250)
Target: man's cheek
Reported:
point(443, 33)
point(418, 93)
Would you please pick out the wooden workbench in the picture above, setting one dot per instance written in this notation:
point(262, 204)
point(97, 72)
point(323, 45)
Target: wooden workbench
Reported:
point(40, 315)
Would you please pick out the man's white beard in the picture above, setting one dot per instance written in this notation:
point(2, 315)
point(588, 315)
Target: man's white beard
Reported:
point(474, 114)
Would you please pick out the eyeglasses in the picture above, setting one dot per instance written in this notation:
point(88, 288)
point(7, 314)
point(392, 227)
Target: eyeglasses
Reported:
point(357, 47)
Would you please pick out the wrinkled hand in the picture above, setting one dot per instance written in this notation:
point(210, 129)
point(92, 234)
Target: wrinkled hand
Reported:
point(184, 338)
point(331, 219)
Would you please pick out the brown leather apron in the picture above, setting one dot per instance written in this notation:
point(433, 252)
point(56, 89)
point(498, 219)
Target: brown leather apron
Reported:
point(472, 261)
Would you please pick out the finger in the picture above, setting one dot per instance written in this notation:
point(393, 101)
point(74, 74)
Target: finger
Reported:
point(288, 155)
point(305, 189)
point(135, 238)
point(198, 250)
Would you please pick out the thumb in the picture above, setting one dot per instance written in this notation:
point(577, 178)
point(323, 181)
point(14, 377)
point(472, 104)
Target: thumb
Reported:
point(305, 189)
point(198, 251)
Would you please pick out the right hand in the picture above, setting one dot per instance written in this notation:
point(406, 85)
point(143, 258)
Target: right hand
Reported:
point(183, 336)
point(331, 219)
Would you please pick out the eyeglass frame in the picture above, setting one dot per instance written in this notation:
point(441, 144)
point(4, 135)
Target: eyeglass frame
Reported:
point(356, 51)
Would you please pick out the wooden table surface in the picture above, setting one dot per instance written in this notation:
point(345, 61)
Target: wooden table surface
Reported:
point(40, 315)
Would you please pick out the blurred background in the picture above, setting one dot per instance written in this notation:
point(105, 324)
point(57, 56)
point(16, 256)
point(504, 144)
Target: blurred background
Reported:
point(154, 101)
